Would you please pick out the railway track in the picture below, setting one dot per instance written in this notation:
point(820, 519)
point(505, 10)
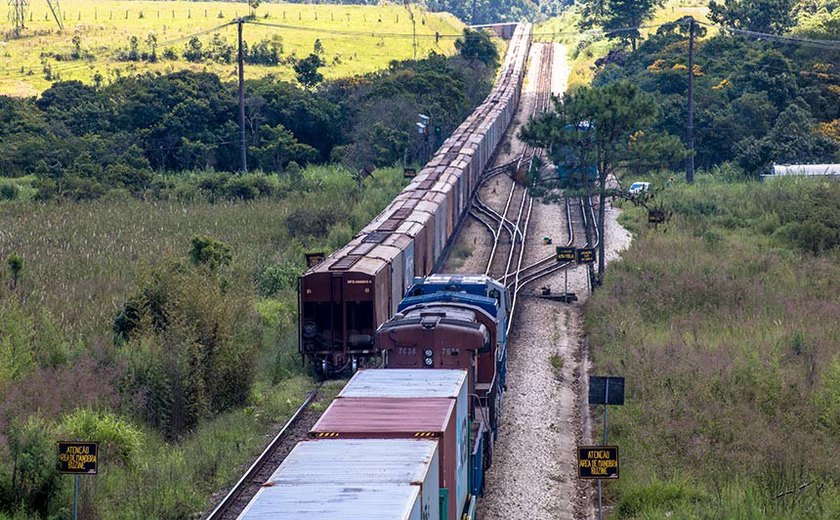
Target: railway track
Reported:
point(509, 226)
point(296, 429)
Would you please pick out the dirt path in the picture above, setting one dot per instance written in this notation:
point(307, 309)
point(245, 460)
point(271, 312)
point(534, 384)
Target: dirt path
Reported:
point(545, 416)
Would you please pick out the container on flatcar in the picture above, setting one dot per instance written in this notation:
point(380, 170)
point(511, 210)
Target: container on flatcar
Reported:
point(316, 501)
point(421, 383)
point(399, 418)
point(414, 383)
point(365, 461)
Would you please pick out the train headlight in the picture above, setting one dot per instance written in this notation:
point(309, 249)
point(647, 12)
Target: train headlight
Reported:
point(428, 361)
point(309, 330)
point(428, 352)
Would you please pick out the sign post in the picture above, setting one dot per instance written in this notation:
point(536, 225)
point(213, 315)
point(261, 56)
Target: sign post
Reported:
point(566, 254)
point(77, 458)
point(606, 391)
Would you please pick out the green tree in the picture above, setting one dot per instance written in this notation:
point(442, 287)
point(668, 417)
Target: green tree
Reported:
point(306, 70)
point(210, 252)
point(770, 16)
point(76, 53)
point(15, 263)
point(477, 45)
point(605, 126)
point(193, 51)
point(612, 15)
point(152, 44)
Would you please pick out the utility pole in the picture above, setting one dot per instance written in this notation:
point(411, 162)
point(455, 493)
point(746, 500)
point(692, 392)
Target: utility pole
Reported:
point(407, 5)
point(241, 59)
point(689, 161)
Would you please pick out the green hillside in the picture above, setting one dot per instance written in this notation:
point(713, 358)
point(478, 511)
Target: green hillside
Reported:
point(96, 39)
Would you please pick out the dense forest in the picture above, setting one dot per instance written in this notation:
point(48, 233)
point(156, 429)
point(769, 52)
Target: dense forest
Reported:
point(82, 140)
point(757, 101)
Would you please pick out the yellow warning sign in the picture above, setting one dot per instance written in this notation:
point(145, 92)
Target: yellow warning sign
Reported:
point(598, 461)
point(77, 457)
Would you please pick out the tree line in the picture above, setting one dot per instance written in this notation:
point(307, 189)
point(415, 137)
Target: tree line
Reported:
point(82, 140)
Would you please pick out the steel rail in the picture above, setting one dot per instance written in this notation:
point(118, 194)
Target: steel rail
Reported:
point(544, 95)
point(498, 232)
point(556, 267)
point(224, 505)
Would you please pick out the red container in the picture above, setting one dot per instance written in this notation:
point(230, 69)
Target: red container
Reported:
point(394, 418)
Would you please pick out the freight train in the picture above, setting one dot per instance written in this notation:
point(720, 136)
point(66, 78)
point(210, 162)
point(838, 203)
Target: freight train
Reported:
point(394, 445)
point(345, 298)
point(413, 440)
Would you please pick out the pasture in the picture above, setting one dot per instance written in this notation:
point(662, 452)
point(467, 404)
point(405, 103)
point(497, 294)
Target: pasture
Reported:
point(355, 39)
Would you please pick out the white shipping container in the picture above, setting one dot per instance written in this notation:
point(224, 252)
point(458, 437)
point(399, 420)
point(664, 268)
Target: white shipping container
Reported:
point(365, 461)
point(335, 502)
point(422, 383)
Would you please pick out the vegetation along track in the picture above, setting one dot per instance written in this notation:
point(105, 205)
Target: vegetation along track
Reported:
point(295, 430)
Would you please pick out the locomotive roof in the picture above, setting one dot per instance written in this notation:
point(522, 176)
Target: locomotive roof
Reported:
point(462, 279)
point(405, 382)
point(308, 501)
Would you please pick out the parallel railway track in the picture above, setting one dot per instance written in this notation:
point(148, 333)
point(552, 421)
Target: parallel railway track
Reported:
point(295, 430)
point(509, 227)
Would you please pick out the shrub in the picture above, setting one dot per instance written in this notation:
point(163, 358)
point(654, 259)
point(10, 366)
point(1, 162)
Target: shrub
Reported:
point(32, 449)
point(654, 497)
point(209, 252)
point(828, 397)
point(119, 439)
point(277, 278)
point(9, 191)
point(242, 189)
point(198, 359)
point(312, 221)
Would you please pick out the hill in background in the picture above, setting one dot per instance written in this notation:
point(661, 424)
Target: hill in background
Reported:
point(103, 40)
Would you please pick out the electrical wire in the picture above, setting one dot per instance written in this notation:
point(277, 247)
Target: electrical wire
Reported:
point(321, 30)
point(778, 38)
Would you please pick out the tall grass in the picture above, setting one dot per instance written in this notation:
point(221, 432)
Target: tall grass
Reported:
point(725, 327)
point(83, 261)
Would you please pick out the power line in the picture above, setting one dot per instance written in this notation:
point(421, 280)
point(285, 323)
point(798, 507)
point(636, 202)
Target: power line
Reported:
point(321, 30)
point(778, 38)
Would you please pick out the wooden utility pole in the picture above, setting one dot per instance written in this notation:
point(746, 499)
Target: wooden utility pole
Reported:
point(243, 167)
point(689, 161)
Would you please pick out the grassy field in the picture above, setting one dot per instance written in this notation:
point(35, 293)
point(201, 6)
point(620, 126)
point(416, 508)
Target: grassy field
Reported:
point(724, 324)
point(585, 48)
point(348, 34)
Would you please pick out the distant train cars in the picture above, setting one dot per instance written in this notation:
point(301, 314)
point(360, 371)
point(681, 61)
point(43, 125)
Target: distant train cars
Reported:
point(344, 299)
point(395, 444)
